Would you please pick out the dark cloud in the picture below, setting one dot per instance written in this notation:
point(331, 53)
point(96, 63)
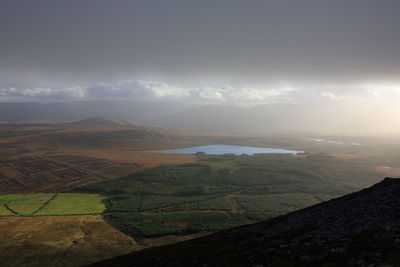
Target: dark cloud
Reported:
point(196, 44)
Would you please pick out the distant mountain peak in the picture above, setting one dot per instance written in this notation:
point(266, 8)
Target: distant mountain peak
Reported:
point(359, 229)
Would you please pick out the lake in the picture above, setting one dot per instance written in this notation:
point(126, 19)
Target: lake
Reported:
point(229, 149)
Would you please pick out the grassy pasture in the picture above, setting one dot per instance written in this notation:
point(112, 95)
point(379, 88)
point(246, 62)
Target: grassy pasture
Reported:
point(214, 193)
point(148, 202)
point(150, 225)
point(4, 211)
point(50, 204)
point(219, 192)
point(258, 175)
point(35, 197)
point(24, 204)
point(209, 204)
point(123, 203)
point(154, 202)
point(74, 204)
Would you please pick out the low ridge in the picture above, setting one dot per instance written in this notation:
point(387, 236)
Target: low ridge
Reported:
point(100, 121)
point(359, 229)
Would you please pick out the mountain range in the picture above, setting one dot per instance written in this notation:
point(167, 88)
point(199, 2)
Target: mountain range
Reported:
point(279, 118)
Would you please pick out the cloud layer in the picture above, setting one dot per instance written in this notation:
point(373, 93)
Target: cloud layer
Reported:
point(227, 50)
point(158, 90)
point(147, 90)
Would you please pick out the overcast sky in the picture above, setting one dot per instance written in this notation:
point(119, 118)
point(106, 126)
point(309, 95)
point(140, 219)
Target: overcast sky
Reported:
point(209, 50)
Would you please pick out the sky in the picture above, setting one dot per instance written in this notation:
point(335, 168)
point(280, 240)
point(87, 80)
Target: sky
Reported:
point(211, 51)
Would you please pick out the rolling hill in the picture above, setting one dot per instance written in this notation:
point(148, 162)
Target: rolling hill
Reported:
point(274, 118)
point(359, 229)
point(132, 111)
point(60, 156)
point(100, 121)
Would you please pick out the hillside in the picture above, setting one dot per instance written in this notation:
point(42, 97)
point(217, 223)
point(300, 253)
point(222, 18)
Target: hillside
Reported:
point(132, 111)
point(273, 118)
point(60, 156)
point(100, 121)
point(359, 229)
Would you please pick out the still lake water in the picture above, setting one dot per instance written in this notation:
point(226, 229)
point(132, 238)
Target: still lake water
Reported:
point(228, 149)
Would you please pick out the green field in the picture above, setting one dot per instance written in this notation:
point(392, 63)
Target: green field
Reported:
point(148, 202)
point(22, 204)
point(50, 204)
point(218, 192)
point(71, 204)
point(152, 225)
point(5, 212)
point(220, 203)
point(259, 174)
point(215, 193)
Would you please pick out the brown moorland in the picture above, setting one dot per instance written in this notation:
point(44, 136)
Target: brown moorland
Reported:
point(60, 241)
point(49, 156)
point(64, 156)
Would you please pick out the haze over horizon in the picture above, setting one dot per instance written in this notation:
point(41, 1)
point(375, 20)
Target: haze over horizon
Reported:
point(338, 54)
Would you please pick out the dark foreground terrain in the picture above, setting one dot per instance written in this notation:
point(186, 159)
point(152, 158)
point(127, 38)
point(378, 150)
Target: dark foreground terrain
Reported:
point(359, 229)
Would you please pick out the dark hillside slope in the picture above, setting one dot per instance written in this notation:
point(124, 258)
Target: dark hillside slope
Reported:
point(359, 229)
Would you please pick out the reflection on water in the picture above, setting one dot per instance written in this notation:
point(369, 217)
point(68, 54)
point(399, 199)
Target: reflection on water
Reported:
point(229, 149)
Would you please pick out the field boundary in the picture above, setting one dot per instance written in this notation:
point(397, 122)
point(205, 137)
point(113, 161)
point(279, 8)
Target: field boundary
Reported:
point(35, 209)
point(45, 204)
point(11, 210)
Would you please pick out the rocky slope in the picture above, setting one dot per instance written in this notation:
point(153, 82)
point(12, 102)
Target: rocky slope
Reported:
point(360, 229)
